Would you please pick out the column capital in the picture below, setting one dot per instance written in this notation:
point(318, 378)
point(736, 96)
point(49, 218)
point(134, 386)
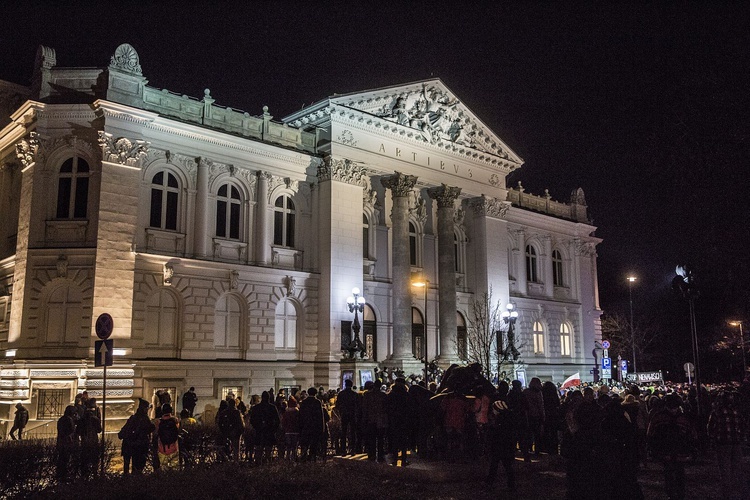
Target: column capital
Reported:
point(400, 184)
point(343, 170)
point(490, 207)
point(27, 149)
point(444, 195)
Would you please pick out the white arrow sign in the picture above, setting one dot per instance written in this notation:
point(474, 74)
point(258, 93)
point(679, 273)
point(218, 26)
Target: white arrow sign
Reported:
point(103, 352)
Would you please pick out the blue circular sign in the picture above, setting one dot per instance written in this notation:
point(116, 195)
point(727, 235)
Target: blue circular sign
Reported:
point(605, 344)
point(104, 325)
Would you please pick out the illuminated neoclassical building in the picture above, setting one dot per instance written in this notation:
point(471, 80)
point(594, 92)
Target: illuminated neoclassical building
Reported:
point(224, 244)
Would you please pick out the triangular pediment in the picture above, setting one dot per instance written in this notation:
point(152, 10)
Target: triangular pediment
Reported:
point(428, 108)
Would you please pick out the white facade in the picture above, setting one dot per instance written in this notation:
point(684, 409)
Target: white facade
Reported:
point(224, 245)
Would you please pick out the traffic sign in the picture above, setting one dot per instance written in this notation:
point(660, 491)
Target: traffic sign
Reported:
point(624, 365)
point(104, 325)
point(606, 372)
point(103, 350)
point(606, 363)
point(605, 344)
point(689, 368)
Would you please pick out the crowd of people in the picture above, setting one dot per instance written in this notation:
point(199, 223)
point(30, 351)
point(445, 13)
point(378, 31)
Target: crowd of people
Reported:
point(622, 428)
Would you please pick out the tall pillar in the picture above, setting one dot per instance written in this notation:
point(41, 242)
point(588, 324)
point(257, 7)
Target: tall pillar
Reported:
point(400, 186)
point(445, 197)
point(201, 209)
point(263, 238)
point(549, 279)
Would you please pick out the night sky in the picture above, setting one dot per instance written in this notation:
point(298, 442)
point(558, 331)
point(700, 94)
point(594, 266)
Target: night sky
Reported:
point(644, 106)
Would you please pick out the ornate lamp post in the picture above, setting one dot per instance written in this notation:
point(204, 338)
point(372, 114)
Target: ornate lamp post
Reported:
point(631, 280)
point(420, 281)
point(742, 346)
point(510, 315)
point(356, 304)
point(684, 282)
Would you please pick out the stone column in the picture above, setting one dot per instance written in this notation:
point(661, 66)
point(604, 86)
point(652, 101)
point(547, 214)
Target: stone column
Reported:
point(400, 186)
point(445, 197)
point(546, 257)
point(201, 209)
point(263, 239)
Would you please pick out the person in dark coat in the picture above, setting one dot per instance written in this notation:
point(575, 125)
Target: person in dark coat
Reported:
point(346, 407)
point(66, 442)
point(533, 405)
point(619, 452)
point(189, 400)
point(312, 425)
point(502, 437)
point(401, 415)
point(136, 438)
point(552, 418)
point(88, 429)
point(19, 422)
point(231, 428)
point(264, 418)
point(375, 421)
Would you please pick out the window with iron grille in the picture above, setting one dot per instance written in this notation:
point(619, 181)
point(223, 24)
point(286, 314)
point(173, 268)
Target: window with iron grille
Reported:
point(234, 389)
point(52, 403)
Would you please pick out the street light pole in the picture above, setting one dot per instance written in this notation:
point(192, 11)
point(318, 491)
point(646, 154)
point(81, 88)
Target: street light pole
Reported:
point(356, 304)
point(684, 282)
point(420, 281)
point(742, 346)
point(510, 315)
point(631, 280)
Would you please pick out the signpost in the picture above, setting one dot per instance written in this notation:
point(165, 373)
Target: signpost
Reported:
point(689, 371)
point(103, 350)
point(606, 368)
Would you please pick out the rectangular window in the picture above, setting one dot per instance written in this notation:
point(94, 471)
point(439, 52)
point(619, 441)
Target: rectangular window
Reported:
point(278, 228)
point(413, 250)
point(234, 389)
point(366, 242)
point(171, 222)
point(538, 343)
point(234, 221)
point(156, 195)
point(63, 197)
point(52, 403)
point(290, 230)
point(82, 197)
point(221, 219)
point(565, 345)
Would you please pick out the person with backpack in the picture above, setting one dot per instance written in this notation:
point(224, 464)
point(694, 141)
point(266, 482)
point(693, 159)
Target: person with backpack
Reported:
point(136, 436)
point(168, 433)
point(189, 400)
point(502, 436)
point(88, 429)
point(672, 438)
point(231, 427)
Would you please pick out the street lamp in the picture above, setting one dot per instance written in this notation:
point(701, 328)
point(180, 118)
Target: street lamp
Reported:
point(631, 280)
point(420, 281)
point(742, 346)
point(510, 315)
point(684, 282)
point(356, 304)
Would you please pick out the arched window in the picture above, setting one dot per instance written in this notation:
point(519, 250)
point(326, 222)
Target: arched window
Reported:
point(417, 333)
point(462, 347)
point(73, 189)
point(161, 321)
point(227, 323)
point(412, 244)
point(164, 201)
point(565, 340)
point(365, 236)
point(228, 211)
point(369, 332)
point(531, 274)
point(283, 221)
point(285, 325)
point(64, 312)
point(557, 268)
point(538, 337)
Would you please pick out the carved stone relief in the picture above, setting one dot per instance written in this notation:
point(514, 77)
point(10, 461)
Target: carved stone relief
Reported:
point(122, 150)
point(490, 207)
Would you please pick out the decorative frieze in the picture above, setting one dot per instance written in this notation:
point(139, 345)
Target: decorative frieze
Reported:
point(111, 372)
point(27, 149)
point(489, 207)
point(14, 373)
point(117, 382)
point(584, 248)
point(343, 170)
point(53, 373)
point(122, 150)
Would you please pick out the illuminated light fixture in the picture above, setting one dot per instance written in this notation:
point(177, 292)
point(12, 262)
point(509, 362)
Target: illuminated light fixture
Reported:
point(119, 352)
point(10, 353)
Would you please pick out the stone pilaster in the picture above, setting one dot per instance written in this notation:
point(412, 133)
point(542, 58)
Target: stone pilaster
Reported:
point(490, 247)
point(201, 209)
point(263, 238)
point(546, 262)
point(446, 197)
point(400, 186)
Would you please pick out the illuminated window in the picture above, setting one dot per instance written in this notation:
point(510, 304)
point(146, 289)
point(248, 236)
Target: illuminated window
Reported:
point(417, 332)
point(538, 337)
point(228, 210)
point(283, 221)
point(412, 244)
point(164, 196)
point(73, 189)
point(227, 323)
point(531, 274)
point(285, 325)
point(557, 268)
point(235, 390)
point(565, 339)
